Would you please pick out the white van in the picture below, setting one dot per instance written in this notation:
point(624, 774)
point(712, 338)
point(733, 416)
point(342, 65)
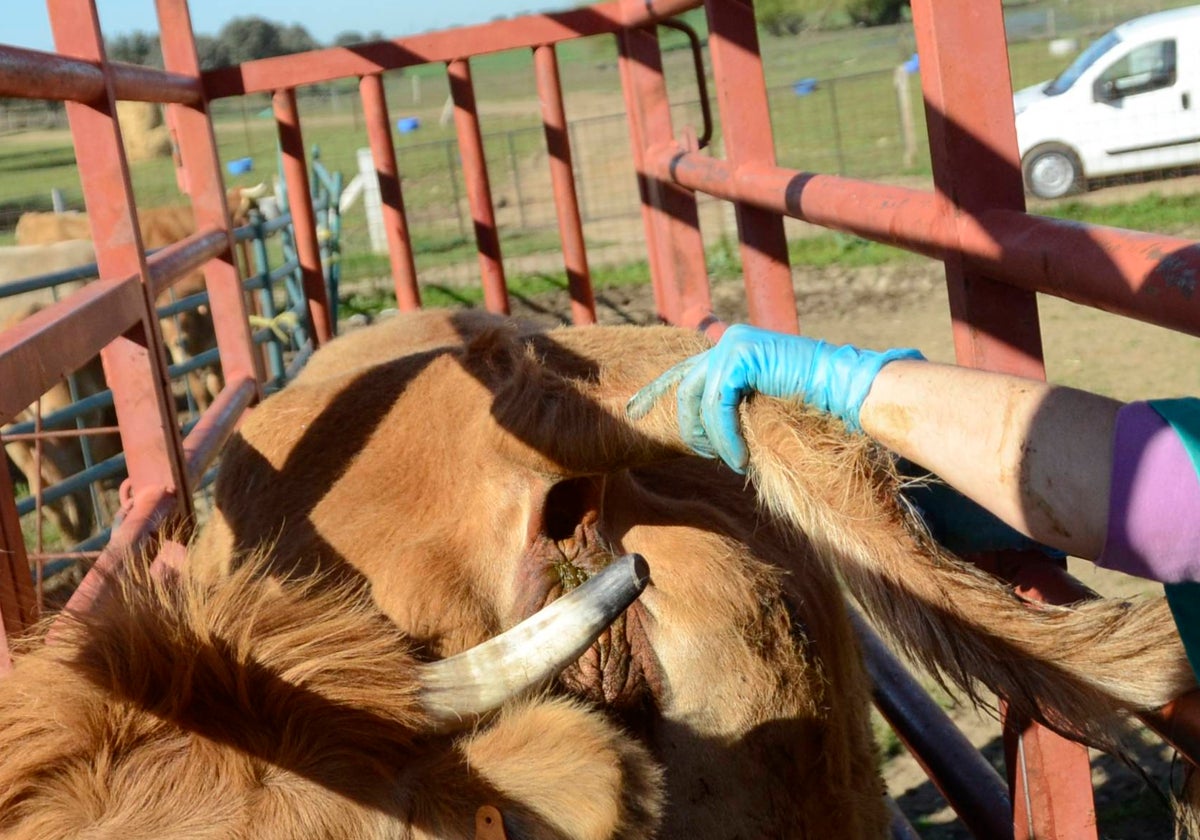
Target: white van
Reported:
point(1130, 102)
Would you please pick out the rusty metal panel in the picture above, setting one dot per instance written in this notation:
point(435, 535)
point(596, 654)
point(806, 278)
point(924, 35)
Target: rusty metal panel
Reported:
point(1148, 276)
point(525, 32)
point(175, 261)
point(669, 214)
point(562, 176)
point(746, 128)
point(201, 168)
point(479, 189)
point(973, 145)
point(18, 601)
point(216, 425)
point(391, 197)
point(45, 347)
point(304, 222)
point(152, 506)
point(137, 375)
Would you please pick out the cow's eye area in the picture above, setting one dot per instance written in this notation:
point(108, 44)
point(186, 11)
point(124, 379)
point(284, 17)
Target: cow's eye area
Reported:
point(568, 504)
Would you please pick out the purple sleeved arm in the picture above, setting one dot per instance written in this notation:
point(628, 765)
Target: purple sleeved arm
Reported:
point(1154, 504)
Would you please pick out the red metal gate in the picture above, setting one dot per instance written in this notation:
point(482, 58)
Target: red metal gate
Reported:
point(996, 257)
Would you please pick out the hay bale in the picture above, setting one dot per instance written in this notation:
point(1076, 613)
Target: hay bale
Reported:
point(143, 131)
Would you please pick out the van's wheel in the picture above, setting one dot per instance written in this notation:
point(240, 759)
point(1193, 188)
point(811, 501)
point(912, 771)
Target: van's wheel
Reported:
point(1052, 171)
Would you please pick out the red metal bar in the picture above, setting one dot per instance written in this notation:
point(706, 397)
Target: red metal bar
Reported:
point(40, 350)
point(746, 128)
point(18, 600)
point(973, 146)
point(395, 222)
point(525, 32)
point(562, 175)
point(172, 263)
point(215, 427)
point(134, 366)
point(479, 189)
point(1032, 573)
point(1147, 276)
point(669, 214)
point(152, 506)
point(200, 163)
point(304, 222)
point(30, 74)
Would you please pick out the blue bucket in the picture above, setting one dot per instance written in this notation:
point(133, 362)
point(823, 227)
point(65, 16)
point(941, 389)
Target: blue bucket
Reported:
point(240, 166)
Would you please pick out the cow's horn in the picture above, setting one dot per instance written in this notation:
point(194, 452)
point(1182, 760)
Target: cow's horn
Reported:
point(457, 690)
point(257, 191)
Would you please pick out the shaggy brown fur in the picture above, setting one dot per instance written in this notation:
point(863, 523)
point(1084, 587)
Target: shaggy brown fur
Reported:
point(254, 710)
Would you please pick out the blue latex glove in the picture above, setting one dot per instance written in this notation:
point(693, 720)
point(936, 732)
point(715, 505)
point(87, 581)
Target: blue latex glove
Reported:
point(832, 378)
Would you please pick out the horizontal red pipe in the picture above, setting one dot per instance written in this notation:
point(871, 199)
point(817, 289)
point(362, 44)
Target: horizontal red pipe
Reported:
point(526, 32)
point(181, 258)
point(216, 425)
point(146, 84)
point(30, 74)
point(1147, 276)
point(45, 347)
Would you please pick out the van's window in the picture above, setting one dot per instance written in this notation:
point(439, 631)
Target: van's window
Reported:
point(1149, 67)
point(1081, 63)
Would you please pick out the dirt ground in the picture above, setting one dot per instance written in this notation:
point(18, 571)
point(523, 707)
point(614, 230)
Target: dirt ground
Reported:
point(905, 304)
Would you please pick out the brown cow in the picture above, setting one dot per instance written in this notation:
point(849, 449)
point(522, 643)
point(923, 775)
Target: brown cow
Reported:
point(466, 471)
point(188, 334)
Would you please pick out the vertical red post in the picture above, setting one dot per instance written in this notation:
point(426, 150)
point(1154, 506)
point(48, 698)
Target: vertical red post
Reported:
point(479, 189)
point(18, 601)
point(973, 145)
point(972, 141)
point(202, 169)
point(135, 364)
point(304, 222)
point(395, 223)
point(669, 212)
point(562, 175)
point(746, 128)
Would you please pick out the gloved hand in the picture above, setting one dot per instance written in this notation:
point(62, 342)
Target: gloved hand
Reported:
point(829, 377)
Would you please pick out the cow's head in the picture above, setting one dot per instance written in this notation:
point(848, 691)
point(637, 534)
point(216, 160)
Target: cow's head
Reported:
point(469, 471)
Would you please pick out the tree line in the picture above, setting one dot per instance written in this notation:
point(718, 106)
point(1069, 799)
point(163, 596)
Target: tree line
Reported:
point(241, 39)
point(787, 17)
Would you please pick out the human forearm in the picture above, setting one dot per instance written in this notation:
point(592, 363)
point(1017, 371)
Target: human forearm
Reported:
point(1038, 456)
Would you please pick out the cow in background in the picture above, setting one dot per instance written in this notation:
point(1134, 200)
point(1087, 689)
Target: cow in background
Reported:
point(187, 334)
